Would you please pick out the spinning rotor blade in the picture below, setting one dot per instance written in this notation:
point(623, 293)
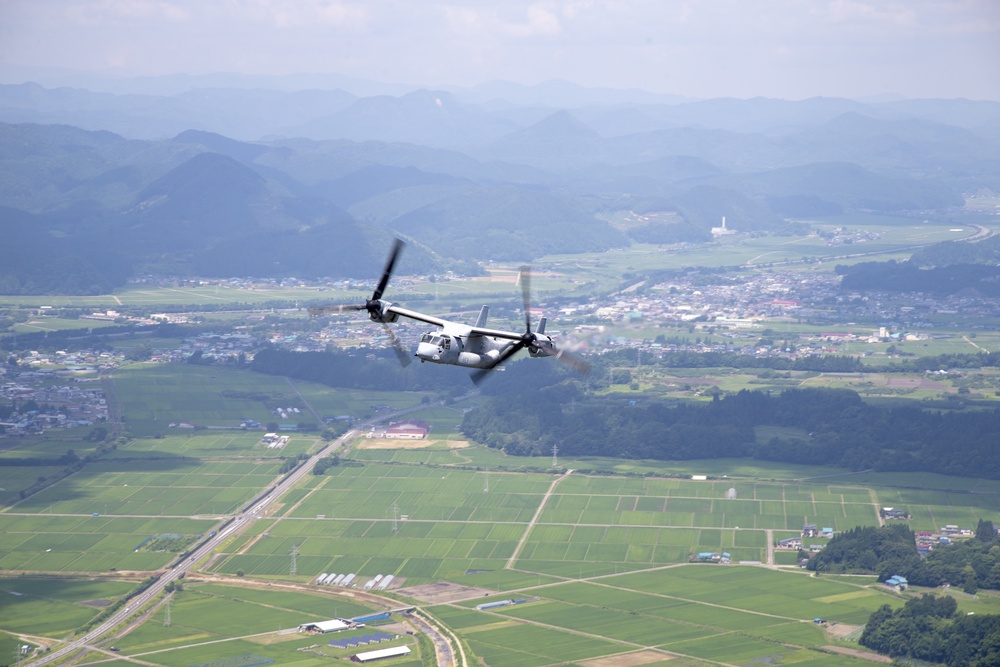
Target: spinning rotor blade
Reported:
point(372, 305)
point(571, 360)
point(397, 246)
point(525, 279)
point(401, 353)
point(316, 311)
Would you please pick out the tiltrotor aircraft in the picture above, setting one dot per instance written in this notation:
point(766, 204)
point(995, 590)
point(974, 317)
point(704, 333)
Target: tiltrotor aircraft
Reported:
point(459, 344)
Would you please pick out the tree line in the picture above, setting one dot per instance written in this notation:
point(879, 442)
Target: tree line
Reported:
point(824, 427)
point(931, 628)
point(891, 550)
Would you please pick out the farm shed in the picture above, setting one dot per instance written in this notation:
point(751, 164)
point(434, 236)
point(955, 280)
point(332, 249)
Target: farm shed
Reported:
point(381, 654)
point(333, 625)
point(411, 429)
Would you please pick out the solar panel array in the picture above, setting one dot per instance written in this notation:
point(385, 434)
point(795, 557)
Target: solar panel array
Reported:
point(350, 642)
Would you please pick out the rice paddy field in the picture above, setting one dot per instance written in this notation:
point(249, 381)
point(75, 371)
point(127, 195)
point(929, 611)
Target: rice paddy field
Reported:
point(424, 523)
point(598, 549)
point(690, 615)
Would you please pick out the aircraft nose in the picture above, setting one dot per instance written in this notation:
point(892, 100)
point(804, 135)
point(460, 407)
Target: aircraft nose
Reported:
point(428, 351)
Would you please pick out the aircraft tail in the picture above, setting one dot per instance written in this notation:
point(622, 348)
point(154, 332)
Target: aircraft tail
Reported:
point(483, 314)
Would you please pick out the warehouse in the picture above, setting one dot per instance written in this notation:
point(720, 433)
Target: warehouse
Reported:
point(381, 654)
point(333, 625)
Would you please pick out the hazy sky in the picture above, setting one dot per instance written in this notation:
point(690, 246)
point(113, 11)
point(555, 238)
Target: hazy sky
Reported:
point(789, 49)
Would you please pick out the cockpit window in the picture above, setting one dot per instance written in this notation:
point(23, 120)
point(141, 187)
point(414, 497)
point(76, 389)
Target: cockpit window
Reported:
point(436, 339)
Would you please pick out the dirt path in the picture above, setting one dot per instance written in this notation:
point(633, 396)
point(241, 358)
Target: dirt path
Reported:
point(531, 524)
point(857, 653)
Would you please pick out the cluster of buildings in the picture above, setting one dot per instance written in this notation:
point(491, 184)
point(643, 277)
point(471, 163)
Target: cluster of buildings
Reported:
point(734, 310)
point(274, 441)
point(43, 405)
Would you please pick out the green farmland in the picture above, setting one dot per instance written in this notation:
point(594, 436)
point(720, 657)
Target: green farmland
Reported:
point(599, 547)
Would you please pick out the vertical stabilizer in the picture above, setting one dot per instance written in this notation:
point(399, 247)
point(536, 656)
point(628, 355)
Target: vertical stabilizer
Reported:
point(483, 314)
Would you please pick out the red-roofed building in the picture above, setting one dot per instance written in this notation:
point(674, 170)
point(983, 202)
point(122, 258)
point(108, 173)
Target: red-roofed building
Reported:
point(410, 429)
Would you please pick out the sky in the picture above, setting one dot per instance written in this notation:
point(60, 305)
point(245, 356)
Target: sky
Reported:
point(788, 49)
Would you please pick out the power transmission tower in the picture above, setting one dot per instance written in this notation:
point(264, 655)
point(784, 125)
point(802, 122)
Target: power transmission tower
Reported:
point(555, 458)
point(486, 484)
point(395, 509)
point(295, 555)
point(166, 620)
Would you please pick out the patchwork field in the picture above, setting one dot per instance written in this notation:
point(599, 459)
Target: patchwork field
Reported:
point(688, 615)
point(604, 549)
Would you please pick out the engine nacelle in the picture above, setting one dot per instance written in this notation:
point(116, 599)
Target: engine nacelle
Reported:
point(378, 311)
point(543, 348)
point(473, 360)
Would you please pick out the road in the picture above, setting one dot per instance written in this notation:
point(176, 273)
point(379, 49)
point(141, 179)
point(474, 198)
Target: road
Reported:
point(240, 523)
point(534, 519)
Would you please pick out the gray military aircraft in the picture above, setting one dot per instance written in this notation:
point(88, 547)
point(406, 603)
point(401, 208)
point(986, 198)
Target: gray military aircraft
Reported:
point(455, 343)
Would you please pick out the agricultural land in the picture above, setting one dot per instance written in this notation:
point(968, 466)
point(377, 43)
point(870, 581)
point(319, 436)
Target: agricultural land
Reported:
point(495, 559)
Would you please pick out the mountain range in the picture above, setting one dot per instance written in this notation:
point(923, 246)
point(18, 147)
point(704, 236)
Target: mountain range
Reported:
point(306, 183)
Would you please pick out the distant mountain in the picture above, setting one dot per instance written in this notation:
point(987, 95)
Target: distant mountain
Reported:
point(511, 224)
point(758, 114)
point(243, 114)
point(834, 187)
point(908, 143)
point(555, 142)
point(431, 118)
point(560, 95)
point(229, 179)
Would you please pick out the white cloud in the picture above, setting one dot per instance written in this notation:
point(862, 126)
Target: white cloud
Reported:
point(780, 48)
point(100, 12)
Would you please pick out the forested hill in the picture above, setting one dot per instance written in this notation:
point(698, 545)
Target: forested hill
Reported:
point(102, 197)
point(836, 428)
point(930, 628)
point(891, 550)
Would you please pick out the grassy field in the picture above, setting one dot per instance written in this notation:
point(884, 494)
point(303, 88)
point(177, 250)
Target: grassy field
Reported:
point(53, 607)
point(212, 622)
point(452, 521)
point(606, 554)
point(46, 543)
point(690, 614)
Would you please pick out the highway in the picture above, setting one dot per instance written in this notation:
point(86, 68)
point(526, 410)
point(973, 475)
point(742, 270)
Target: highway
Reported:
point(240, 523)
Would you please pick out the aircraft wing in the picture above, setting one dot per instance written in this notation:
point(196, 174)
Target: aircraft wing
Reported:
point(496, 333)
point(437, 321)
point(415, 315)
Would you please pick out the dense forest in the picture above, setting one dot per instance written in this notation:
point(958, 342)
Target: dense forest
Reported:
point(895, 276)
point(930, 628)
point(533, 405)
point(824, 426)
point(891, 550)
